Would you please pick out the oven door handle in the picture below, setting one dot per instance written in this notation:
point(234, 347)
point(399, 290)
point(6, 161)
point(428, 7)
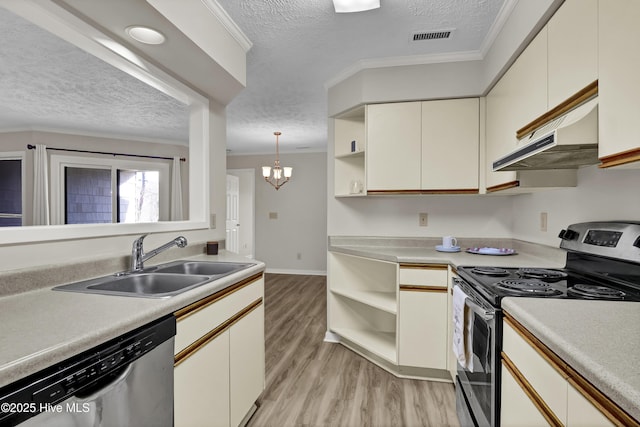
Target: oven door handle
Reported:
point(485, 315)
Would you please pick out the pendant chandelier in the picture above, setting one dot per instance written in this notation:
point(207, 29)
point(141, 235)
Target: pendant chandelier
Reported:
point(277, 176)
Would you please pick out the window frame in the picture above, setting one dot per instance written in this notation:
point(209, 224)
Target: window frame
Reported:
point(57, 182)
point(19, 155)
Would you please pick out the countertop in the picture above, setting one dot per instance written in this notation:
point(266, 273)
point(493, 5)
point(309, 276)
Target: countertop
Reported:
point(423, 250)
point(43, 327)
point(599, 339)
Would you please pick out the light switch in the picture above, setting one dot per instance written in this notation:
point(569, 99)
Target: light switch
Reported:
point(273, 215)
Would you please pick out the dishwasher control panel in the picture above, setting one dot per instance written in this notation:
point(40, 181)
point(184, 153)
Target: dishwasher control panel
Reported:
point(81, 374)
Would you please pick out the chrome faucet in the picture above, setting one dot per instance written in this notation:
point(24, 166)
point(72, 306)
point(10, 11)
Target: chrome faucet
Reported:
point(138, 256)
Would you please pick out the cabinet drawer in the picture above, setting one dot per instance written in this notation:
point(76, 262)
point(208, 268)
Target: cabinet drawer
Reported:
point(197, 319)
point(546, 380)
point(424, 275)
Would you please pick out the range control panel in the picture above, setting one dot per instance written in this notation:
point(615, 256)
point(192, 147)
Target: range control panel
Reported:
point(616, 239)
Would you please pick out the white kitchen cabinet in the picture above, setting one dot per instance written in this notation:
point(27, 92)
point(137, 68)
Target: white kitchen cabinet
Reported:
point(517, 99)
point(541, 375)
point(619, 91)
point(572, 49)
point(422, 318)
point(363, 303)
point(246, 350)
point(219, 361)
point(450, 145)
point(537, 383)
point(394, 315)
point(517, 409)
point(201, 386)
point(349, 153)
point(581, 412)
point(394, 141)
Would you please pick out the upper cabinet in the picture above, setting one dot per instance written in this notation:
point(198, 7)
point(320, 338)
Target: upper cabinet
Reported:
point(394, 141)
point(619, 90)
point(518, 98)
point(450, 145)
point(560, 62)
point(572, 49)
point(422, 147)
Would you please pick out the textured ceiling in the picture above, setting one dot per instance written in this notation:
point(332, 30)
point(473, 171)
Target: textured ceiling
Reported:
point(299, 46)
point(49, 84)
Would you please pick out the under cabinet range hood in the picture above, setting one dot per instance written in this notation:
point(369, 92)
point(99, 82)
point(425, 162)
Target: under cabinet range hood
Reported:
point(566, 142)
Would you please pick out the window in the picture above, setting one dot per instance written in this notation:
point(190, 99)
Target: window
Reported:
point(11, 196)
point(93, 191)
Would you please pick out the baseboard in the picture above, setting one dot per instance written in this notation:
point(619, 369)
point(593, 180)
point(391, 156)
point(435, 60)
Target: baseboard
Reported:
point(331, 337)
point(299, 272)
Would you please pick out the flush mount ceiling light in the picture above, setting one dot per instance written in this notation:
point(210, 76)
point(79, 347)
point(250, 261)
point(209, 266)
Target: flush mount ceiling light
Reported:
point(347, 6)
point(145, 35)
point(275, 176)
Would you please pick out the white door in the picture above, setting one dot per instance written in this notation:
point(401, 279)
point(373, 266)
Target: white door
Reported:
point(233, 213)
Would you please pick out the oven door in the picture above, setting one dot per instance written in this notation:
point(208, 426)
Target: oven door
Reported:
point(480, 384)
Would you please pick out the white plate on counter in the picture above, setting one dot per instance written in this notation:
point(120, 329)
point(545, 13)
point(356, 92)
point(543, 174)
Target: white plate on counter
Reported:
point(491, 251)
point(441, 248)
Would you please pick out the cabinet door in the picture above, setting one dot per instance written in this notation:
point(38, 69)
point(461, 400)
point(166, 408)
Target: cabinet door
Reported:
point(517, 99)
point(422, 329)
point(201, 386)
point(393, 146)
point(573, 49)
point(450, 144)
point(246, 363)
point(581, 412)
point(618, 86)
point(516, 408)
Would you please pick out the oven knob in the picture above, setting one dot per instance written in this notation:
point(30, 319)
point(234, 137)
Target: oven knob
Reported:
point(637, 242)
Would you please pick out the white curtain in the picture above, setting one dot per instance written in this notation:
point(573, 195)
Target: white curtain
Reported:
point(176, 191)
point(40, 186)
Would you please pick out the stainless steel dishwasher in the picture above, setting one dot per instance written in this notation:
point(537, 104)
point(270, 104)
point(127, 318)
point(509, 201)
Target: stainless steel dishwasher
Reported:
point(127, 381)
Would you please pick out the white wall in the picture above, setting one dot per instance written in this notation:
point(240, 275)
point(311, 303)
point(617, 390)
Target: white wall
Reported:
point(601, 194)
point(301, 206)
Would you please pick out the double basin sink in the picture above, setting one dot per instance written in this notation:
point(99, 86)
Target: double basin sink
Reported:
point(161, 281)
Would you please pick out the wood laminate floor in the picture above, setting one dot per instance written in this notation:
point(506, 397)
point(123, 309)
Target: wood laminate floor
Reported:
point(313, 383)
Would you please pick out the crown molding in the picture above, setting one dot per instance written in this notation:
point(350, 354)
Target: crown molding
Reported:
point(498, 24)
point(402, 61)
point(228, 24)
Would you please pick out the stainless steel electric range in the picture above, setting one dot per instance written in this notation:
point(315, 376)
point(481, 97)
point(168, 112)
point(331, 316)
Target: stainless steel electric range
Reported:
point(603, 263)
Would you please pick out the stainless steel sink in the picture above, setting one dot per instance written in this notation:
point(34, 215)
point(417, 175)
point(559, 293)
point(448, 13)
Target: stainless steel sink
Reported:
point(152, 284)
point(161, 281)
point(208, 268)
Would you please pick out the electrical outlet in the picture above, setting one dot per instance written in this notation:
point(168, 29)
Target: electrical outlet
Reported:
point(423, 219)
point(273, 215)
point(299, 256)
point(212, 221)
point(543, 221)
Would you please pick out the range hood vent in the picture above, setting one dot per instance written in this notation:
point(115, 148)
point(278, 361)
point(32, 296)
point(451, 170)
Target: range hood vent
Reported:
point(567, 142)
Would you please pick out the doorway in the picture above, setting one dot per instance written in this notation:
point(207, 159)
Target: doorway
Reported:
point(243, 225)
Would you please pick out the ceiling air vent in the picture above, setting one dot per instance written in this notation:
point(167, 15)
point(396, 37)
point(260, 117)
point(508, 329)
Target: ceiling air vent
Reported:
point(431, 35)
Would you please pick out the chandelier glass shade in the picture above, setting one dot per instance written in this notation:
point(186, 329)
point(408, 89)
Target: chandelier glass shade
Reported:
point(277, 175)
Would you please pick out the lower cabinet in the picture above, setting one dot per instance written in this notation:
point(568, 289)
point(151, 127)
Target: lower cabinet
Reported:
point(219, 362)
point(395, 315)
point(540, 389)
point(201, 386)
point(423, 321)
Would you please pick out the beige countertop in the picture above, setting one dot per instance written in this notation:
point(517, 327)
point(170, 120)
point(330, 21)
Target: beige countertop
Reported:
point(423, 250)
point(42, 327)
point(599, 339)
